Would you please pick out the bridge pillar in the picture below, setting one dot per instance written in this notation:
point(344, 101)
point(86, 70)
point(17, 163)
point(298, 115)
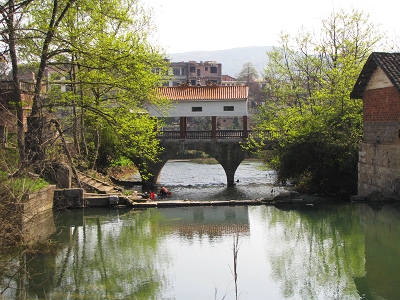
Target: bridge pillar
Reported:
point(182, 127)
point(245, 132)
point(229, 155)
point(213, 127)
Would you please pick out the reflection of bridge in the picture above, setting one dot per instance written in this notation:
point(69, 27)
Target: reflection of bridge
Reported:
point(206, 220)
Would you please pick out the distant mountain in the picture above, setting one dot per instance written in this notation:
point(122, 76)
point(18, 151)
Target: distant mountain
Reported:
point(232, 60)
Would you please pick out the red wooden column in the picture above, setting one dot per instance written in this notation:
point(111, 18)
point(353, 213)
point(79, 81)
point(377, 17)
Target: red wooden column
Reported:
point(245, 133)
point(182, 127)
point(213, 127)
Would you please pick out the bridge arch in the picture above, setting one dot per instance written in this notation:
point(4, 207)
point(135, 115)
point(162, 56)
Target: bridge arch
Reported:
point(228, 153)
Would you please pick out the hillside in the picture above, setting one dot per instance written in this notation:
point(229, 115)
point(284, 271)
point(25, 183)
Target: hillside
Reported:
point(232, 60)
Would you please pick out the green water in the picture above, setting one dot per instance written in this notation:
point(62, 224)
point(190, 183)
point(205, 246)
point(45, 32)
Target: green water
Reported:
point(343, 251)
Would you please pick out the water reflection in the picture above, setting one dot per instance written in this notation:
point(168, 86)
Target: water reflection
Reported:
point(211, 221)
point(381, 228)
point(342, 251)
point(315, 251)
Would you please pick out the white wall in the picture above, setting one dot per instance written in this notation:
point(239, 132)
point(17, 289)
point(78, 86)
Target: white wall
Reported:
point(378, 80)
point(209, 108)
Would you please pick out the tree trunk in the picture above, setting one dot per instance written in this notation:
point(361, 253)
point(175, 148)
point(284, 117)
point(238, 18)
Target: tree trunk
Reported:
point(35, 147)
point(16, 84)
point(96, 150)
point(58, 126)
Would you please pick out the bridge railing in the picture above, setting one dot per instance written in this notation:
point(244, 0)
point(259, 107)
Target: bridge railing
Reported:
point(207, 134)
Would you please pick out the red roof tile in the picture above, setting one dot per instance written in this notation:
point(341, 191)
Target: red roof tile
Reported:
point(182, 93)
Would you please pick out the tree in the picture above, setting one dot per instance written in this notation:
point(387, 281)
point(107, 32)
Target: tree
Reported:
point(101, 54)
point(250, 76)
point(11, 16)
point(248, 73)
point(309, 112)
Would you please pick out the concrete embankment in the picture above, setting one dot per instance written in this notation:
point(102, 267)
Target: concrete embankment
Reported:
point(77, 198)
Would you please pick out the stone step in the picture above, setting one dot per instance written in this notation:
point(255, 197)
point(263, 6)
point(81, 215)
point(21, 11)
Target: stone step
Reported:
point(96, 184)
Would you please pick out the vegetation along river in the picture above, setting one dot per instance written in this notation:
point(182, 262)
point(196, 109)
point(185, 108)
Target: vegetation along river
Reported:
point(320, 251)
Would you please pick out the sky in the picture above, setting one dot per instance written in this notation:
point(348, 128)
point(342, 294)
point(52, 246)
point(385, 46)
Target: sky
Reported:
point(209, 25)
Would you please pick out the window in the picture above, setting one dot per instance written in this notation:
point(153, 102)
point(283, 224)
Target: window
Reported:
point(176, 71)
point(198, 72)
point(193, 82)
point(229, 108)
point(206, 68)
point(213, 69)
point(197, 108)
point(192, 69)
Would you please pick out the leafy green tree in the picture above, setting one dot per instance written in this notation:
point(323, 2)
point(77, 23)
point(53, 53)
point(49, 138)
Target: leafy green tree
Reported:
point(11, 15)
point(97, 62)
point(309, 113)
point(112, 76)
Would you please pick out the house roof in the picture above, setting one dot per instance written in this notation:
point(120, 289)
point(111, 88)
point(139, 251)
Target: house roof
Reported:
point(204, 93)
point(389, 63)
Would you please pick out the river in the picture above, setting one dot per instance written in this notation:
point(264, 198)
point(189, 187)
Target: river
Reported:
point(320, 251)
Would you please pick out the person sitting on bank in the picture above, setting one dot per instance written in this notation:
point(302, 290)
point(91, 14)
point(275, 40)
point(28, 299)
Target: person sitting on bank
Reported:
point(163, 191)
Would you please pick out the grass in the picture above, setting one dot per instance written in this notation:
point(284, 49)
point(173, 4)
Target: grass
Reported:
point(16, 187)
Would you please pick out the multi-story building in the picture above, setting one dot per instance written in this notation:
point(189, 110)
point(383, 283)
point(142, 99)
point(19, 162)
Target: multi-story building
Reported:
point(195, 73)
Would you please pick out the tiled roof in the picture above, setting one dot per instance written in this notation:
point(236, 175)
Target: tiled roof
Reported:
point(390, 64)
point(204, 93)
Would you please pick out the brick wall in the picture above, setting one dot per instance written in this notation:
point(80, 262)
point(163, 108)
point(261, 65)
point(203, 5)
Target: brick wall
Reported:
point(381, 115)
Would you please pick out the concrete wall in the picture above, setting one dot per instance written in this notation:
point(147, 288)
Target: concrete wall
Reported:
point(67, 198)
point(379, 169)
point(29, 220)
point(38, 202)
point(58, 173)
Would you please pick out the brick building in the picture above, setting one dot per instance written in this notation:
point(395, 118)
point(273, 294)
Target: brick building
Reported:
point(378, 86)
point(195, 73)
point(8, 118)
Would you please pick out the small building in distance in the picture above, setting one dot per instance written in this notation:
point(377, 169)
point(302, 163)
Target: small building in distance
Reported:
point(8, 112)
point(378, 86)
point(195, 73)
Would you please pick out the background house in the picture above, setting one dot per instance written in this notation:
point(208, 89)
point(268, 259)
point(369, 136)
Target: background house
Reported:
point(195, 73)
point(8, 114)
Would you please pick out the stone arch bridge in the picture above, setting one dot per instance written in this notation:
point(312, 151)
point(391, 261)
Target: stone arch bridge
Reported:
point(223, 145)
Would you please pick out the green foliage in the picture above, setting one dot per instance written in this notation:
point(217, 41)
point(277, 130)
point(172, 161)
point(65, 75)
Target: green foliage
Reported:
point(309, 115)
point(121, 162)
point(102, 68)
point(16, 187)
